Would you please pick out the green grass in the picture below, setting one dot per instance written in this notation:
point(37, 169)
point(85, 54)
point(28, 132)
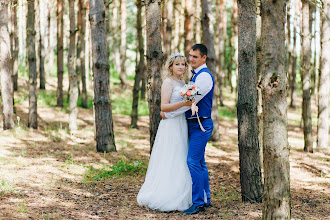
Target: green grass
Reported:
point(121, 169)
point(6, 187)
point(226, 112)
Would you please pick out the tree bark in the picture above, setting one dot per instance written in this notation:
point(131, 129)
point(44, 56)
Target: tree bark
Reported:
point(143, 88)
point(188, 34)
point(197, 27)
point(15, 45)
point(123, 43)
point(288, 40)
point(6, 70)
point(115, 57)
point(81, 50)
point(59, 15)
point(154, 64)
point(208, 41)
point(219, 45)
point(73, 76)
point(139, 65)
point(31, 55)
point(41, 60)
point(248, 144)
point(276, 197)
point(324, 74)
point(294, 58)
point(169, 22)
point(105, 140)
point(305, 75)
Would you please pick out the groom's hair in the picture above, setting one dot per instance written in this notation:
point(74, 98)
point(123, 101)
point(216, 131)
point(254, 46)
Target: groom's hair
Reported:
point(201, 47)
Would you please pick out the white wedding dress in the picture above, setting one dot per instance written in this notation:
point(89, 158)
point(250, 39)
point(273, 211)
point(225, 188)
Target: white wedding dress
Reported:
point(167, 185)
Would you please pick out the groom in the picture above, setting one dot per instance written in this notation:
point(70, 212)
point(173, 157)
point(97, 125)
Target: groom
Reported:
point(198, 139)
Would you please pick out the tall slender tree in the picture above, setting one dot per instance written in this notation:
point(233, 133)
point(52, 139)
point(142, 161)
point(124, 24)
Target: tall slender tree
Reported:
point(14, 40)
point(208, 35)
point(219, 33)
point(324, 84)
point(81, 49)
point(154, 64)
point(305, 75)
point(104, 135)
point(73, 76)
point(31, 55)
point(144, 74)
point(6, 67)
point(139, 65)
point(115, 56)
point(123, 43)
point(40, 46)
point(249, 160)
point(188, 34)
point(276, 196)
point(60, 70)
point(294, 57)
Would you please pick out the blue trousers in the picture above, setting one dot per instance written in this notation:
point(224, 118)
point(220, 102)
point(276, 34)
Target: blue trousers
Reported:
point(196, 160)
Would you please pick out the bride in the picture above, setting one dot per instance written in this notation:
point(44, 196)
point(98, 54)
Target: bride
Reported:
point(167, 185)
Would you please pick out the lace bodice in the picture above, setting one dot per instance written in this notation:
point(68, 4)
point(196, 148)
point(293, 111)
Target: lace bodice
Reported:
point(176, 96)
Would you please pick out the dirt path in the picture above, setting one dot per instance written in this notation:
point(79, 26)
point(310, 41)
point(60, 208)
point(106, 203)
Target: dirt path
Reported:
point(44, 173)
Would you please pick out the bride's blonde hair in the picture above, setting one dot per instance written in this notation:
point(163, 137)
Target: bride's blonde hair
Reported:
point(175, 57)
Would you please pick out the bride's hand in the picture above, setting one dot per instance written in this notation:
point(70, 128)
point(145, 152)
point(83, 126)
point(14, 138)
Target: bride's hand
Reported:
point(187, 103)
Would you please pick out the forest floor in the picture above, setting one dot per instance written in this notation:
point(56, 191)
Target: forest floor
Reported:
point(51, 174)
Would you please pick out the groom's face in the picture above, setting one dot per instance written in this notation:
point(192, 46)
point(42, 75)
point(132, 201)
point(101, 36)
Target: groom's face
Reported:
point(195, 59)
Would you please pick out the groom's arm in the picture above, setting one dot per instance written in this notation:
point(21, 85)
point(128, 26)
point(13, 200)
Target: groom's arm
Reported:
point(204, 83)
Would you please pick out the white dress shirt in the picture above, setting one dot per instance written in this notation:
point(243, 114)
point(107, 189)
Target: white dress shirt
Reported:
point(204, 82)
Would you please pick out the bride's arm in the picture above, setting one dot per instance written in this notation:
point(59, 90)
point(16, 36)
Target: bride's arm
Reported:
point(166, 93)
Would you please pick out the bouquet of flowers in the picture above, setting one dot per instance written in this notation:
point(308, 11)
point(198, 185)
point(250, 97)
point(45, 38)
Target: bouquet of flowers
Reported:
point(188, 92)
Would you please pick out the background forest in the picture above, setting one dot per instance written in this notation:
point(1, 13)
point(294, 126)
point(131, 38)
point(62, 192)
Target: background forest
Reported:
point(80, 94)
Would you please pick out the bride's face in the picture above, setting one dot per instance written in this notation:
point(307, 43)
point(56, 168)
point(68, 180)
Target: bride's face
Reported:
point(178, 68)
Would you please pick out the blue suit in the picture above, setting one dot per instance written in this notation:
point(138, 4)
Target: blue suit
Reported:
point(197, 143)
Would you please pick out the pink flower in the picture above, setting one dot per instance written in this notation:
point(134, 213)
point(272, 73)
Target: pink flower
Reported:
point(188, 93)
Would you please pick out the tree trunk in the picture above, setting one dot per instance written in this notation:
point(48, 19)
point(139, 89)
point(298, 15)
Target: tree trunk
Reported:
point(176, 29)
point(312, 10)
point(276, 197)
point(197, 26)
point(115, 57)
point(249, 160)
point(258, 69)
point(60, 70)
point(105, 140)
point(288, 39)
point(6, 68)
point(73, 76)
point(81, 50)
point(294, 58)
point(219, 45)
point(123, 43)
point(15, 45)
point(235, 44)
point(167, 19)
point(139, 65)
point(324, 74)
point(31, 55)
point(208, 41)
point(154, 64)
point(143, 88)
point(305, 75)
point(41, 65)
point(188, 34)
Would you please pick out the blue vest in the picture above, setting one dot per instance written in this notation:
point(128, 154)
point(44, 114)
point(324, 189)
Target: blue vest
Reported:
point(205, 104)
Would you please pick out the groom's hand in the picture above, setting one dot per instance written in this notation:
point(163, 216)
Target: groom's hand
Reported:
point(162, 115)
